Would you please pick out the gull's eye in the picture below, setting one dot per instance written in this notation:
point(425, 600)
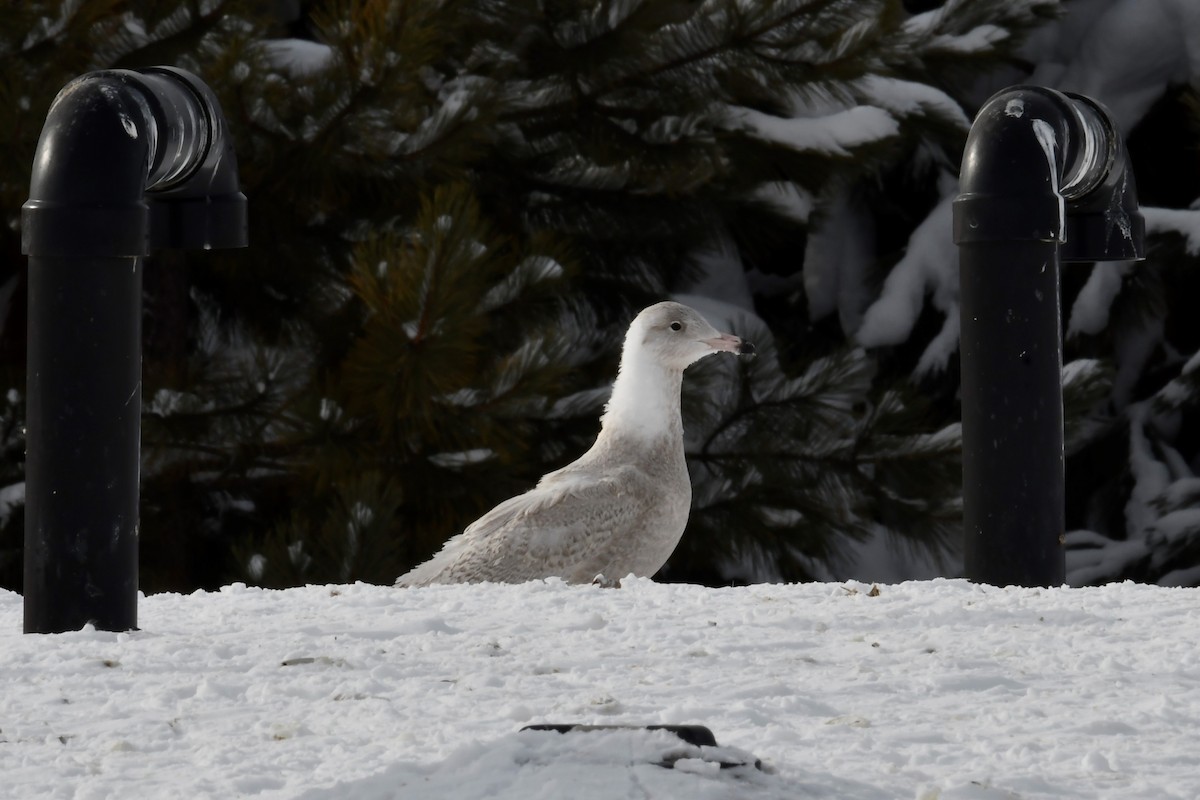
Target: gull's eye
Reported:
point(676, 326)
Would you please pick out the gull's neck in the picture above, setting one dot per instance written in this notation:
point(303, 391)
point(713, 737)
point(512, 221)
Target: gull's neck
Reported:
point(645, 400)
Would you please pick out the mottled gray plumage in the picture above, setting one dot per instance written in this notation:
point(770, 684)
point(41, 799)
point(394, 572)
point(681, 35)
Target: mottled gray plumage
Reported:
point(622, 506)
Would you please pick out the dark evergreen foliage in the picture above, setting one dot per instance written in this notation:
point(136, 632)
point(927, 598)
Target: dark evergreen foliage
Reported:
point(456, 208)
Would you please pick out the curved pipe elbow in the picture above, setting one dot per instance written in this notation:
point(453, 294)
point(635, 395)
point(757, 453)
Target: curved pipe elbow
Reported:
point(90, 170)
point(199, 205)
point(1045, 166)
point(200, 160)
point(1013, 168)
point(124, 161)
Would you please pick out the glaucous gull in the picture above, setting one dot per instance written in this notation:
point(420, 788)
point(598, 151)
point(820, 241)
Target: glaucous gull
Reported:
point(622, 506)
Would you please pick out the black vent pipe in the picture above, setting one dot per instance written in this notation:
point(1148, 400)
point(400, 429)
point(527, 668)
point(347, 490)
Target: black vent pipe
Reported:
point(1045, 178)
point(128, 162)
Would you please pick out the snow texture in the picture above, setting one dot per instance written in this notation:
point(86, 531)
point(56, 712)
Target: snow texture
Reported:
point(977, 40)
point(835, 134)
point(298, 57)
point(929, 265)
point(789, 199)
point(1150, 476)
point(837, 260)
point(1123, 53)
point(1182, 221)
point(939, 689)
point(907, 98)
point(1092, 306)
point(11, 497)
point(1161, 513)
point(1131, 51)
point(719, 268)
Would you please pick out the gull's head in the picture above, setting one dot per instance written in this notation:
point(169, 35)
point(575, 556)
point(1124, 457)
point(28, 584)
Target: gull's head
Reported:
point(675, 335)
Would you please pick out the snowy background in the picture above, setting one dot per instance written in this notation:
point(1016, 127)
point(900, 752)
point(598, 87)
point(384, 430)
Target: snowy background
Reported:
point(939, 689)
point(1124, 53)
point(935, 689)
point(840, 261)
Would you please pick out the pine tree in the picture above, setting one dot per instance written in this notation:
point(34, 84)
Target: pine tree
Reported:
point(457, 206)
point(457, 385)
point(43, 45)
point(1137, 511)
point(1131, 400)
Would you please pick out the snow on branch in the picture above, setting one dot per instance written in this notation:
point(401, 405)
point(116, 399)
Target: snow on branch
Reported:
point(835, 134)
point(930, 265)
point(297, 58)
point(979, 39)
point(1093, 306)
point(1182, 221)
point(904, 98)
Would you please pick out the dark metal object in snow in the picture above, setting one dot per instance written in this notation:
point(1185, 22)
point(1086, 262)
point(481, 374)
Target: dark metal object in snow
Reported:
point(699, 737)
point(128, 162)
point(1045, 178)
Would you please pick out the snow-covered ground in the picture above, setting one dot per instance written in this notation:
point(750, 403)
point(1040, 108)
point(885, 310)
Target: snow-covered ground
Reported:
point(932, 689)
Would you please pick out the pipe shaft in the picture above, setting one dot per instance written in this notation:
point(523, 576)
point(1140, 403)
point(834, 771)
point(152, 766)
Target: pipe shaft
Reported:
point(83, 430)
point(128, 162)
point(1013, 489)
